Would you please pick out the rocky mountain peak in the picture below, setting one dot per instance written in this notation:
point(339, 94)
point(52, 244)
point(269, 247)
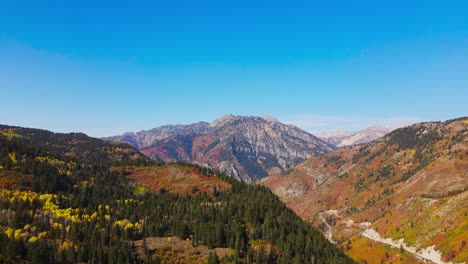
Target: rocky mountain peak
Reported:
point(246, 147)
point(223, 119)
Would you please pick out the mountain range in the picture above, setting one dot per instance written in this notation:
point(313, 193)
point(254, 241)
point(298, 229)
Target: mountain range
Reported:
point(247, 148)
point(398, 199)
point(401, 198)
point(70, 198)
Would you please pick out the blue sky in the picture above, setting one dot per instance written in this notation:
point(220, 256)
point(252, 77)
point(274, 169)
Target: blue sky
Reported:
point(109, 67)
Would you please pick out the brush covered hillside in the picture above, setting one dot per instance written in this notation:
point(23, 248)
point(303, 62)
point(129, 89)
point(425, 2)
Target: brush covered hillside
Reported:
point(57, 205)
point(247, 148)
point(398, 199)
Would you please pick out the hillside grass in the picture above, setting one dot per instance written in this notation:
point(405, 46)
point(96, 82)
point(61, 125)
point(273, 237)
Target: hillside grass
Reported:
point(363, 250)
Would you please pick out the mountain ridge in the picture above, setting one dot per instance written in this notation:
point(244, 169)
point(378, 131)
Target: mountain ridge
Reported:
point(146, 138)
point(401, 186)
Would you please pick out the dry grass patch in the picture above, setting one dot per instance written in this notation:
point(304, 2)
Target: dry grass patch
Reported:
point(175, 250)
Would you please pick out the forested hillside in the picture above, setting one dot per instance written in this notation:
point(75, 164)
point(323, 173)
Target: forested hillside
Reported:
point(59, 205)
point(77, 146)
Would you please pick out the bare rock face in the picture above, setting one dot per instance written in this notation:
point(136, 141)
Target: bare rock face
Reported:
point(248, 148)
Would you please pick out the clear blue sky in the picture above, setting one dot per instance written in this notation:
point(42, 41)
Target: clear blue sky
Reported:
point(109, 67)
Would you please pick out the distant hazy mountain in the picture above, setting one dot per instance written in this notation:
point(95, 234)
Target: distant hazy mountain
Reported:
point(346, 138)
point(248, 148)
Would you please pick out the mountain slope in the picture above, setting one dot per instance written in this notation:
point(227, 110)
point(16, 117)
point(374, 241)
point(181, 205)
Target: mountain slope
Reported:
point(248, 148)
point(411, 184)
point(346, 138)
